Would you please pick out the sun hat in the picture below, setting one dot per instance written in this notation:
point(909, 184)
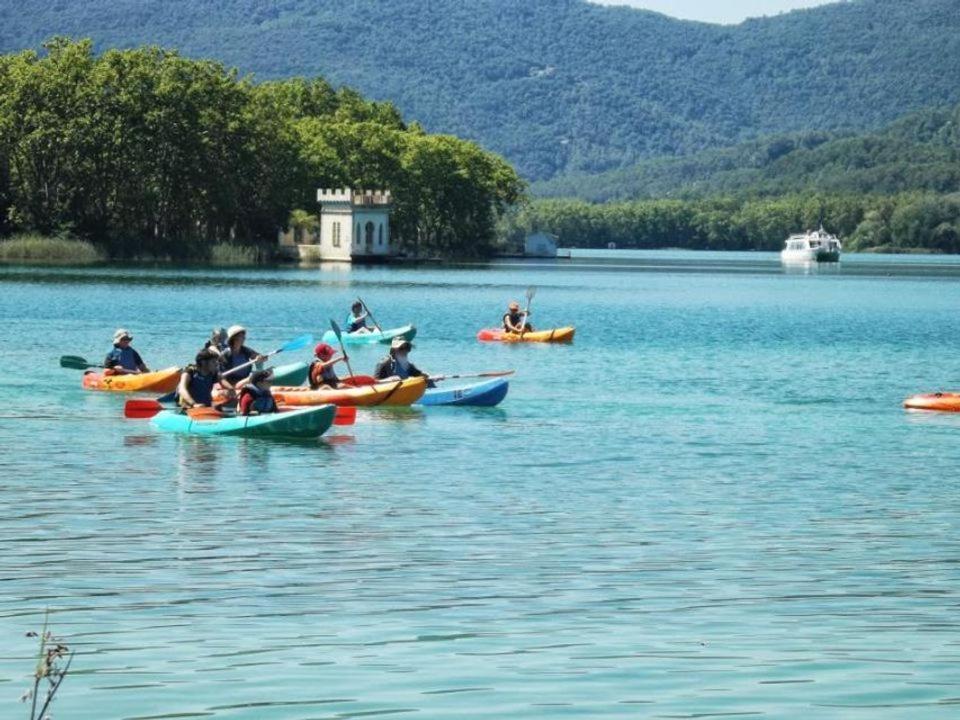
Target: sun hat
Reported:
point(120, 334)
point(323, 351)
point(400, 342)
point(235, 330)
point(514, 305)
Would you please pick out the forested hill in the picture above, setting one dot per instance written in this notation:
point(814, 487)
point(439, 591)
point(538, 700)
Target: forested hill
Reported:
point(558, 85)
point(918, 152)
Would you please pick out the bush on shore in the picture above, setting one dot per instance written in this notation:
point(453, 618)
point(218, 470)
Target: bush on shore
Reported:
point(32, 247)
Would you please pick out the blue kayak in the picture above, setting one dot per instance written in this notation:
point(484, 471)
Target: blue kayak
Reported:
point(482, 394)
point(407, 332)
point(307, 422)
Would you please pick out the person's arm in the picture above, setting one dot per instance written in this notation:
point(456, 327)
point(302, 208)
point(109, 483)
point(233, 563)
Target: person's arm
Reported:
point(186, 399)
point(508, 322)
point(141, 365)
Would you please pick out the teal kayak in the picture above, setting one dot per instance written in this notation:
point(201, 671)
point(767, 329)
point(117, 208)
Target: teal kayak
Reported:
point(482, 394)
point(305, 423)
point(407, 332)
point(291, 374)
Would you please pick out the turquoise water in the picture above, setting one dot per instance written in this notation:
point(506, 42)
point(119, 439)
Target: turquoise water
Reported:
point(710, 504)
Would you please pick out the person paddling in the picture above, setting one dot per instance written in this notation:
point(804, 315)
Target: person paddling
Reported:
point(515, 321)
point(357, 319)
point(255, 397)
point(397, 365)
point(236, 354)
point(123, 359)
point(197, 380)
point(322, 372)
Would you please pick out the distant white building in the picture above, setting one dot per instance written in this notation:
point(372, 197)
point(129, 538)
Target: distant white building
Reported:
point(354, 225)
point(540, 244)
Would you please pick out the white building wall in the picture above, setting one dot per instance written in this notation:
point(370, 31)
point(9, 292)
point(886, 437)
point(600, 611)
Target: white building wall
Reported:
point(345, 216)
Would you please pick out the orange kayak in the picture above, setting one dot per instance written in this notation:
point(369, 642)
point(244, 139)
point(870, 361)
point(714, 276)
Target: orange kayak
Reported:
point(398, 392)
point(161, 381)
point(941, 402)
point(557, 335)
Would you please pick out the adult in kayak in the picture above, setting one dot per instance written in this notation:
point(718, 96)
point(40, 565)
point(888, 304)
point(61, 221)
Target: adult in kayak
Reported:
point(256, 397)
point(217, 341)
point(197, 380)
point(357, 319)
point(397, 365)
point(322, 373)
point(514, 321)
point(123, 359)
point(236, 354)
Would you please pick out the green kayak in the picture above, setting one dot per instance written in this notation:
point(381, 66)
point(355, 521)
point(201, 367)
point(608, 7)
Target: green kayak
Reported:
point(306, 423)
point(291, 374)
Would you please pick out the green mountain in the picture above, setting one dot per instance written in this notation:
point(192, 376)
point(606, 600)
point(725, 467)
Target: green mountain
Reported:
point(919, 152)
point(558, 86)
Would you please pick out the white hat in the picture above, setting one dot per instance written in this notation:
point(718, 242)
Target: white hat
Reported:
point(235, 330)
point(120, 334)
point(400, 342)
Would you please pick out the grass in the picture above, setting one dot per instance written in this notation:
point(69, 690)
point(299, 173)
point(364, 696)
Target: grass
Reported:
point(38, 248)
point(228, 254)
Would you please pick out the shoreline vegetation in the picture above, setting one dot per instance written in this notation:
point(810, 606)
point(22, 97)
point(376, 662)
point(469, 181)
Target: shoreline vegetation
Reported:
point(143, 153)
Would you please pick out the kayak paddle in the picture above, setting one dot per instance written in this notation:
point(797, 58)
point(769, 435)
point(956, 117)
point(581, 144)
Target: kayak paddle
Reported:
point(75, 362)
point(336, 331)
point(141, 409)
point(531, 291)
point(372, 318)
point(298, 343)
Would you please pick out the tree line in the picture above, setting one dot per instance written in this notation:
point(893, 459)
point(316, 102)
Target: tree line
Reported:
point(915, 220)
point(147, 153)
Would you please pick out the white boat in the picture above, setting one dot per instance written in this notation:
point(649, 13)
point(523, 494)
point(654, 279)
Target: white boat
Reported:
point(812, 246)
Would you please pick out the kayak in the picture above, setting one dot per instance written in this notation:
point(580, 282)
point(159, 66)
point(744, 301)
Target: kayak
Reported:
point(291, 374)
point(556, 335)
point(397, 392)
point(941, 402)
point(483, 394)
point(161, 381)
point(302, 422)
point(408, 332)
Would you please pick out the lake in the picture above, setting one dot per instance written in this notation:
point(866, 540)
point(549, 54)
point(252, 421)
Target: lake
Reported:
point(711, 504)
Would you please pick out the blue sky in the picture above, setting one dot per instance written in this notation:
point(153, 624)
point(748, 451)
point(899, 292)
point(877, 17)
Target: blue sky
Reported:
point(717, 11)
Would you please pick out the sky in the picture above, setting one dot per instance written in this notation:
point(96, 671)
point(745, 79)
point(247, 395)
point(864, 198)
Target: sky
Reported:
point(717, 11)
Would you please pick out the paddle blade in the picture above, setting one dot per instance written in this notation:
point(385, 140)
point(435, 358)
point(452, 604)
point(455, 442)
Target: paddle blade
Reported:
point(346, 415)
point(531, 291)
point(141, 409)
point(336, 329)
point(74, 362)
point(298, 343)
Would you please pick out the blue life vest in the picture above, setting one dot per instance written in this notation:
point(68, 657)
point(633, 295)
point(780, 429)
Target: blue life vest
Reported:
point(201, 386)
point(126, 358)
point(353, 324)
point(263, 401)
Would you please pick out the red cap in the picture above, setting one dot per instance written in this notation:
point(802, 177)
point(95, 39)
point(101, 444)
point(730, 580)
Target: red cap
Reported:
point(323, 351)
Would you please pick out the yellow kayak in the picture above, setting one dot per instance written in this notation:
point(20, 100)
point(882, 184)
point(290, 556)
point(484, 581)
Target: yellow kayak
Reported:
point(161, 381)
point(556, 335)
point(397, 392)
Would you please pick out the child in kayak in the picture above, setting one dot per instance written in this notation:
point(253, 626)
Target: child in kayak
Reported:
point(397, 365)
point(322, 373)
point(357, 319)
point(514, 321)
point(123, 359)
point(235, 355)
point(255, 397)
point(197, 380)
